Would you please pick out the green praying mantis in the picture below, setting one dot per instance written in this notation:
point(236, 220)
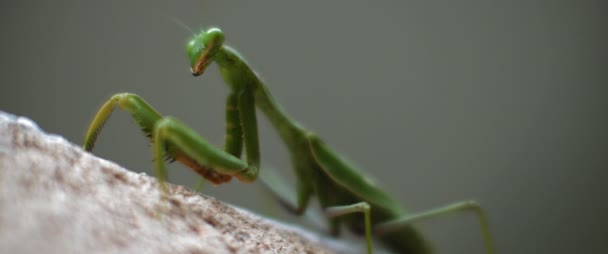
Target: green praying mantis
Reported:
point(346, 196)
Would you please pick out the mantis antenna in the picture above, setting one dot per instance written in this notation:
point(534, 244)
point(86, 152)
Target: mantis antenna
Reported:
point(182, 25)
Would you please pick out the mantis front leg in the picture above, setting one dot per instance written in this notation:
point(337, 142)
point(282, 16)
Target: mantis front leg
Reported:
point(249, 125)
point(175, 141)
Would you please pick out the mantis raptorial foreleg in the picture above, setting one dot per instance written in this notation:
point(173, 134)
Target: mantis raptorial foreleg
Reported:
point(342, 190)
point(233, 139)
point(174, 140)
point(319, 171)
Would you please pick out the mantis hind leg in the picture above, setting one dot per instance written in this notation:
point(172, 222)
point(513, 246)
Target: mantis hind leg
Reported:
point(405, 221)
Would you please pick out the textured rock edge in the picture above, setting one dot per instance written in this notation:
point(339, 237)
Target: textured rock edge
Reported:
point(56, 198)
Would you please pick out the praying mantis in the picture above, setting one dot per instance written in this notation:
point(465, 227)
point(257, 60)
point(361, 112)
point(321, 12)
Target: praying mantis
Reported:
point(346, 196)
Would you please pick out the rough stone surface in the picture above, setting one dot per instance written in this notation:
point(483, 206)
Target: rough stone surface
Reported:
point(56, 198)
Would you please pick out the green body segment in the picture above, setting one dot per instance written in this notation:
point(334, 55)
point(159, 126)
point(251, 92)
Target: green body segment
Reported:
point(346, 175)
point(173, 140)
point(144, 115)
point(180, 136)
point(249, 125)
point(346, 195)
point(233, 140)
point(318, 170)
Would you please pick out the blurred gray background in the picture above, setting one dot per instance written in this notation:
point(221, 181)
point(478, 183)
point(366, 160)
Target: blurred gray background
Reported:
point(501, 101)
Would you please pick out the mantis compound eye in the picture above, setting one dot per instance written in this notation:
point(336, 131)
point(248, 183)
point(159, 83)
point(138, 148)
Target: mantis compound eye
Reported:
point(203, 48)
point(213, 38)
point(194, 49)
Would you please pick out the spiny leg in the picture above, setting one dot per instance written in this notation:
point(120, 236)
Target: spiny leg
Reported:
point(144, 115)
point(444, 210)
point(169, 132)
point(249, 125)
point(171, 138)
point(362, 207)
point(241, 127)
point(233, 139)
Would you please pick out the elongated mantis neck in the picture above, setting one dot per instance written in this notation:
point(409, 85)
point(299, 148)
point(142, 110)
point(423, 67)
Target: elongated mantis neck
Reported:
point(235, 70)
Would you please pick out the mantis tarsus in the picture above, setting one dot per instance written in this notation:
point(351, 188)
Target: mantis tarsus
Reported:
point(346, 195)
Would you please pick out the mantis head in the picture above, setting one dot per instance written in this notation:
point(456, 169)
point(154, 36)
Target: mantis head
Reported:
point(203, 48)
